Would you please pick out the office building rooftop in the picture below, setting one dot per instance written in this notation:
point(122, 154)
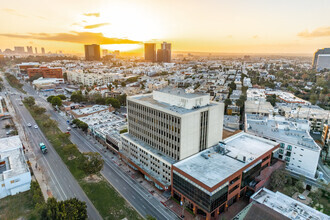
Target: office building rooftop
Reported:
point(292, 131)
point(11, 157)
point(219, 162)
point(287, 206)
point(175, 100)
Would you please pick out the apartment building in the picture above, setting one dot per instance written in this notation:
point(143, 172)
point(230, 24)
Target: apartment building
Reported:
point(297, 147)
point(89, 79)
point(314, 114)
point(15, 175)
point(168, 126)
point(209, 182)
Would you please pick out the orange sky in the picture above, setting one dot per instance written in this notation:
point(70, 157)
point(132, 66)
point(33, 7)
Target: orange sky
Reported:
point(230, 26)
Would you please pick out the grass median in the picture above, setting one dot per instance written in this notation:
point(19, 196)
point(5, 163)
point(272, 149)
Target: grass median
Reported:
point(14, 82)
point(104, 197)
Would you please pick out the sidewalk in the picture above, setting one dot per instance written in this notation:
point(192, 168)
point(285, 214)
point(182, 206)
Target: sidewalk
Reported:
point(30, 156)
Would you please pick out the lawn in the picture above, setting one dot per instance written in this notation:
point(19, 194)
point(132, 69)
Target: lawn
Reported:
point(104, 197)
point(22, 204)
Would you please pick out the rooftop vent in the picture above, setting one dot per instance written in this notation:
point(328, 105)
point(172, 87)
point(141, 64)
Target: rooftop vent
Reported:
point(205, 156)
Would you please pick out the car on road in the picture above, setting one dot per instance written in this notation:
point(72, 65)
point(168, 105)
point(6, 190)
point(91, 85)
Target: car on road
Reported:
point(36, 126)
point(29, 125)
point(68, 128)
point(21, 104)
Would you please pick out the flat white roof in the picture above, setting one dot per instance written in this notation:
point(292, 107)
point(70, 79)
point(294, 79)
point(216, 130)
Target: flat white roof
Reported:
point(211, 167)
point(287, 206)
point(11, 151)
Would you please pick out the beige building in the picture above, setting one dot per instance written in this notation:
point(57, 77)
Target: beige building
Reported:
point(167, 126)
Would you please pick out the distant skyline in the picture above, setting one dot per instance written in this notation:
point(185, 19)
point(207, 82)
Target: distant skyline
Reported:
point(238, 26)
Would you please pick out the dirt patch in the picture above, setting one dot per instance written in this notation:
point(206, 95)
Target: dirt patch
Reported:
point(92, 178)
point(71, 157)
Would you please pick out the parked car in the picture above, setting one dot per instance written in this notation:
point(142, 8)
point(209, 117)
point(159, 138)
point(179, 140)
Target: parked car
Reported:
point(69, 129)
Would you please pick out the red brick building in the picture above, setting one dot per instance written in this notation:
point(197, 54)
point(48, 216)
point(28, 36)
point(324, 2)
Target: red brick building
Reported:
point(209, 182)
point(45, 72)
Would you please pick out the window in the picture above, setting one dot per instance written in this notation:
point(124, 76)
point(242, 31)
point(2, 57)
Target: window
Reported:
point(282, 145)
point(287, 159)
point(289, 147)
point(281, 151)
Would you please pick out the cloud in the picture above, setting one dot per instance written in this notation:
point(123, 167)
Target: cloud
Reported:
point(255, 36)
point(96, 25)
point(16, 13)
point(318, 32)
point(74, 37)
point(13, 12)
point(92, 14)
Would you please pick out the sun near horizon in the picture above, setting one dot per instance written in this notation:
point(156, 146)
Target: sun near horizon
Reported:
point(256, 26)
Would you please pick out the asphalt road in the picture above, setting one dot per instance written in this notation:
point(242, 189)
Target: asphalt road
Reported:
point(131, 190)
point(61, 182)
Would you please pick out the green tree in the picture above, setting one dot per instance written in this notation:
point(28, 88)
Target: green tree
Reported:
point(63, 97)
point(279, 179)
point(123, 84)
point(49, 98)
point(239, 103)
point(77, 97)
point(39, 110)
point(83, 126)
point(313, 98)
point(271, 99)
point(68, 209)
point(232, 85)
point(123, 131)
point(92, 163)
point(113, 102)
point(56, 101)
point(227, 102)
point(65, 76)
point(122, 99)
point(30, 101)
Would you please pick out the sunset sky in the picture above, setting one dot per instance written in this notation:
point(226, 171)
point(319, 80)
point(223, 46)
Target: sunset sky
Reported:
point(230, 26)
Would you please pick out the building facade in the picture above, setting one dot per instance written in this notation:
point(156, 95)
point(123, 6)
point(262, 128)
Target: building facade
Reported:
point(317, 53)
point(92, 52)
point(211, 181)
point(168, 126)
point(164, 54)
point(45, 72)
point(297, 147)
point(150, 52)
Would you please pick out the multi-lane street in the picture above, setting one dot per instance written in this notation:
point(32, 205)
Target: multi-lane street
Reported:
point(131, 190)
point(61, 182)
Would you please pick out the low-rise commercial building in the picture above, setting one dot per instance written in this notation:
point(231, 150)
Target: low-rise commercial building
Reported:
point(45, 72)
point(297, 147)
point(211, 181)
point(15, 175)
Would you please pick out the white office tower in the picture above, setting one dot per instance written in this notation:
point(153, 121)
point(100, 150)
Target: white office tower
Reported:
point(167, 126)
